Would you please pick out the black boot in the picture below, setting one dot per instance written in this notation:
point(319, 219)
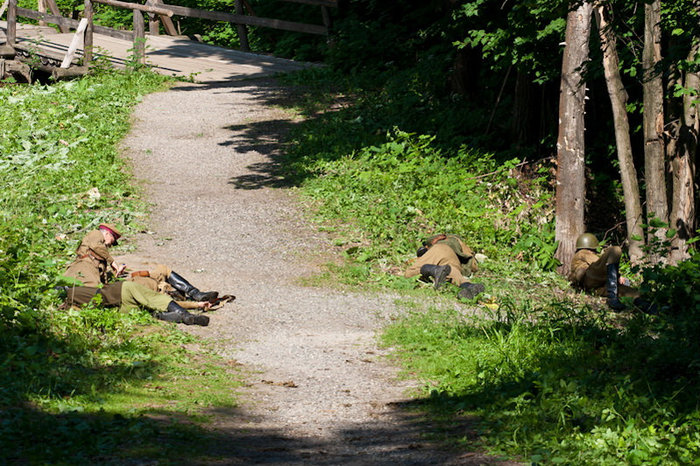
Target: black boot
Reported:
point(184, 287)
point(470, 290)
point(178, 314)
point(438, 272)
point(611, 289)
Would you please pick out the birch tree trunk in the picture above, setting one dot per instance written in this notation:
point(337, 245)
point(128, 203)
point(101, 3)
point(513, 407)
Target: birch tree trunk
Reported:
point(571, 179)
point(683, 162)
point(654, 163)
point(618, 99)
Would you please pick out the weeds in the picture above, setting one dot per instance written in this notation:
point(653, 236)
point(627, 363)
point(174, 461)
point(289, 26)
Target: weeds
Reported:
point(89, 386)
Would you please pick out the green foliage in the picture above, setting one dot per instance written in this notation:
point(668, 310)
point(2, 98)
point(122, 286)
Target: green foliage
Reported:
point(560, 384)
point(525, 35)
point(83, 382)
point(390, 196)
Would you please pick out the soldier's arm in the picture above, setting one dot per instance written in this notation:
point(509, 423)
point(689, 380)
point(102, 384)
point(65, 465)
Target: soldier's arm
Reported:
point(96, 242)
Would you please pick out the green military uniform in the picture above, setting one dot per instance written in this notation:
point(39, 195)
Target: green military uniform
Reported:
point(127, 295)
point(446, 250)
point(589, 271)
point(93, 261)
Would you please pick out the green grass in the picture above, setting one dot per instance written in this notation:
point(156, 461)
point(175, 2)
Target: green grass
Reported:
point(543, 373)
point(89, 386)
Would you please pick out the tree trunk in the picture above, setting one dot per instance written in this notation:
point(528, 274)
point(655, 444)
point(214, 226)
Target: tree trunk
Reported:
point(683, 167)
point(618, 99)
point(654, 163)
point(571, 179)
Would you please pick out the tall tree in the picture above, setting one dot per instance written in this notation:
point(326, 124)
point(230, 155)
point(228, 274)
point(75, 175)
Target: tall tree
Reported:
point(683, 162)
point(654, 161)
point(618, 99)
point(571, 179)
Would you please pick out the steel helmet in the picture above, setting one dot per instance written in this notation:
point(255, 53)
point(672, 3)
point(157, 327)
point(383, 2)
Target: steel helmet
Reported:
point(586, 241)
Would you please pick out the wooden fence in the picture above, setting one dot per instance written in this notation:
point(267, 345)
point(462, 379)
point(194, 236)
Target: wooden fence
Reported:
point(159, 13)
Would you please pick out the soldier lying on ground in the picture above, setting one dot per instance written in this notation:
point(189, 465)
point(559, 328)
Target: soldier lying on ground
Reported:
point(93, 262)
point(600, 274)
point(446, 258)
point(128, 295)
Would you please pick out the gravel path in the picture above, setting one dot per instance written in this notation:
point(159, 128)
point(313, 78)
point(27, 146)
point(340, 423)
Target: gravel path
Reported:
point(318, 388)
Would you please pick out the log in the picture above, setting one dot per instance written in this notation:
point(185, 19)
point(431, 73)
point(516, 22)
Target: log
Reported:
point(241, 29)
point(41, 6)
point(63, 73)
point(135, 6)
point(139, 37)
point(7, 51)
point(4, 7)
point(62, 22)
point(15, 67)
point(168, 25)
point(77, 39)
point(56, 12)
point(11, 31)
point(249, 20)
point(324, 3)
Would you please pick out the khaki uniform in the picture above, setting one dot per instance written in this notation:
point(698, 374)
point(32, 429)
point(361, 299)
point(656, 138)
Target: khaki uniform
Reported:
point(93, 261)
point(450, 251)
point(156, 279)
point(126, 295)
point(590, 271)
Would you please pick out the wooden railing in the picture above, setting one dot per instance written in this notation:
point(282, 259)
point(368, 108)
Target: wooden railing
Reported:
point(159, 13)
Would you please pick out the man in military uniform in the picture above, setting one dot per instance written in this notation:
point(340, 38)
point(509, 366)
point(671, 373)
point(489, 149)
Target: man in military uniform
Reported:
point(93, 265)
point(128, 295)
point(600, 274)
point(446, 258)
point(93, 262)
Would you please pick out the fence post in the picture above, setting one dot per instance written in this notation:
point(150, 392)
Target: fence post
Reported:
point(241, 28)
point(139, 38)
point(87, 38)
point(41, 8)
point(11, 32)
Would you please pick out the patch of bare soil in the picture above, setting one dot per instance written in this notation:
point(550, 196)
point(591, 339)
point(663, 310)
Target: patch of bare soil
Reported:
point(319, 390)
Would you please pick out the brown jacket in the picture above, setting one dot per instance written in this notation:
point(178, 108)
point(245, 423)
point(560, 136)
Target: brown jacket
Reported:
point(579, 264)
point(93, 260)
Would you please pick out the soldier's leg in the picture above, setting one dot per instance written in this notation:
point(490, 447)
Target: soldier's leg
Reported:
point(597, 273)
point(148, 282)
point(136, 295)
point(183, 286)
point(160, 273)
point(439, 254)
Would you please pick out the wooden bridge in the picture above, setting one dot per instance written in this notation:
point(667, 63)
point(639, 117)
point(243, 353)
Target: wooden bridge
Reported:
point(64, 53)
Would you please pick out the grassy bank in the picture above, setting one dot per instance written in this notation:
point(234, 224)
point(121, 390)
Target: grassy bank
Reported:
point(89, 386)
point(552, 376)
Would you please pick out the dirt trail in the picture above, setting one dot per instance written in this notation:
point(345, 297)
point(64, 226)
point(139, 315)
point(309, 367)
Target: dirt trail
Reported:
point(318, 391)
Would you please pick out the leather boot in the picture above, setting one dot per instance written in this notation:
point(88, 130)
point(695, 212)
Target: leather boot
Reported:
point(438, 273)
point(184, 287)
point(178, 314)
point(611, 289)
point(470, 290)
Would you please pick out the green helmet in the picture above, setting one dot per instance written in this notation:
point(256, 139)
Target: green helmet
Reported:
point(586, 241)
